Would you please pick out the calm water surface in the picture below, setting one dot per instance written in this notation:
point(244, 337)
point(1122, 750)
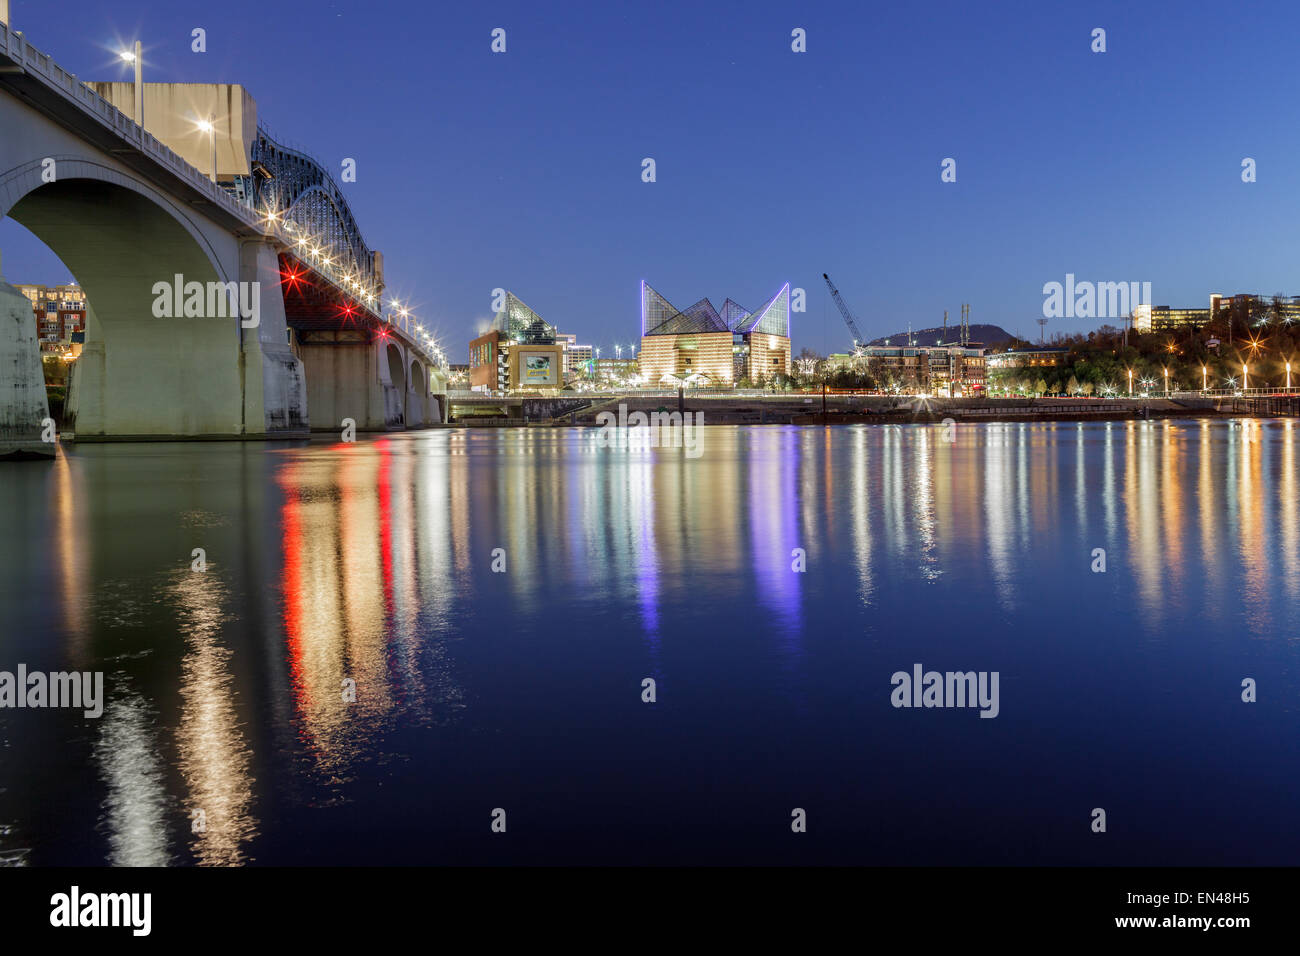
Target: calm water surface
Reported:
point(521, 690)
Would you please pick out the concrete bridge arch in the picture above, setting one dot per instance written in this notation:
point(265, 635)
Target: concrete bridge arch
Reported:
point(138, 374)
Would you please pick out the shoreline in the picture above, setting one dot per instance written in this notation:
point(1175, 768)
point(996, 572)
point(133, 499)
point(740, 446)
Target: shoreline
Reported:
point(860, 410)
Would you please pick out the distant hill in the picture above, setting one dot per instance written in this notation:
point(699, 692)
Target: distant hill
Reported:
point(986, 335)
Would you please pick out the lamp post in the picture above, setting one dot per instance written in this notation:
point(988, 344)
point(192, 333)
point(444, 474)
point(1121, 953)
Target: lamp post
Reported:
point(136, 58)
point(1245, 376)
point(1288, 376)
point(1130, 383)
point(209, 126)
point(1205, 372)
point(1166, 383)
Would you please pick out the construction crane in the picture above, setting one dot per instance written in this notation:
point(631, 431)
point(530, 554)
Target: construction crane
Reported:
point(844, 311)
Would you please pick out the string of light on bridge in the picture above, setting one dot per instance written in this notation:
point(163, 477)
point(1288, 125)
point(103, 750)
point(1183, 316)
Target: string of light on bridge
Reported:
point(323, 261)
point(320, 253)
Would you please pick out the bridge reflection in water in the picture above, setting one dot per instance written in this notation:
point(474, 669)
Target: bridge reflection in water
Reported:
point(372, 562)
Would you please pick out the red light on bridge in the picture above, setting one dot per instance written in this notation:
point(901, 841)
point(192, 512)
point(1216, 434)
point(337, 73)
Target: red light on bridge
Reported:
point(292, 279)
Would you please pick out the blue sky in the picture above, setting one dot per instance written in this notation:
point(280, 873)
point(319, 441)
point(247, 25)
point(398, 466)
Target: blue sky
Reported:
point(523, 170)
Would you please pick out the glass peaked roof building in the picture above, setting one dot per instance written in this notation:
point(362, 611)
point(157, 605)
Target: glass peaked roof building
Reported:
point(702, 346)
point(518, 323)
point(519, 352)
point(660, 317)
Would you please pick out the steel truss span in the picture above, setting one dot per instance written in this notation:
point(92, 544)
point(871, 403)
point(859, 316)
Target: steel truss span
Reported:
point(294, 186)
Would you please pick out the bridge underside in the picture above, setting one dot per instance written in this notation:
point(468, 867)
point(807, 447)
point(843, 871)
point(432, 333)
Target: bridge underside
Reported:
point(358, 369)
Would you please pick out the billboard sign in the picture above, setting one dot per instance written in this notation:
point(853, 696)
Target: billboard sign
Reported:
point(539, 369)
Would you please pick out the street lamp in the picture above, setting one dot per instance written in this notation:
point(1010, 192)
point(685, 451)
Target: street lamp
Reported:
point(209, 126)
point(1130, 383)
point(138, 59)
point(1245, 376)
point(1288, 376)
point(1205, 386)
point(1166, 383)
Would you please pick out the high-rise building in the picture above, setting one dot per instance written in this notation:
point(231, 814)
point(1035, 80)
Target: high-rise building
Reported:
point(577, 358)
point(703, 346)
point(580, 359)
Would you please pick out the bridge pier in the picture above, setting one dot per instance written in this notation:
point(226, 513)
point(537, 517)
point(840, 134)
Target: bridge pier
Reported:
point(275, 394)
point(343, 372)
point(424, 403)
point(86, 383)
point(373, 380)
point(23, 406)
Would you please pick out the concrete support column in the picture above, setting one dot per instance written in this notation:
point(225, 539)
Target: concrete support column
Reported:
point(417, 396)
point(342, 369)
point(87, 384)
point(24, 411)
point(393, 373)
point(275, 392)
point(438, 405)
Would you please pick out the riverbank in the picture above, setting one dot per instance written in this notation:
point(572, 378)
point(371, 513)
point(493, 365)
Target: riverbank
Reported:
point(802, 409)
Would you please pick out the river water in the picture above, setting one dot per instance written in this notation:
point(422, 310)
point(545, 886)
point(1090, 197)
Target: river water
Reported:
point(229, 735)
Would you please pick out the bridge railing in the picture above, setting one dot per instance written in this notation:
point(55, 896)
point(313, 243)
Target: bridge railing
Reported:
point(415, 331)
point(1230, 393)
point(41, 65)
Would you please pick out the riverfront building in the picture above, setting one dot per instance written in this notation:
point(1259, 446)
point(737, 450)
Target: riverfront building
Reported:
point(1025, 358)
point(520, 352)
point(60, 312)
point(703, 346)
point(617, 369)
point(951, 370)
